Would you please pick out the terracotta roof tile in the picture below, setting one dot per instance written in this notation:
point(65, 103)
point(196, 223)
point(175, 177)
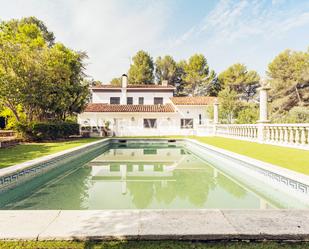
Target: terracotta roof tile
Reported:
point(134, 86)
point(193, 100)
point(129, 108)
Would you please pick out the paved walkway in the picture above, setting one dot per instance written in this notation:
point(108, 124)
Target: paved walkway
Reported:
point(155, 224)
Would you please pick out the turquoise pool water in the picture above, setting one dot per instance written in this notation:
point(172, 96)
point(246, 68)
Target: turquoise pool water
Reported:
point(137, 176)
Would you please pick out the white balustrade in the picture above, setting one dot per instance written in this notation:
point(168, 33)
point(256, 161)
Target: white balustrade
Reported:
point(290, 135)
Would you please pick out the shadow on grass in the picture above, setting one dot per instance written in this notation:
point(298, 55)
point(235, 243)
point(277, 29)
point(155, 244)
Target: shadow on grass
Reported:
point(191, 245)
point(168, 244)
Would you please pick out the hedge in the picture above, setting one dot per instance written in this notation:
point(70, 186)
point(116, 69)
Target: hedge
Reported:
point(48, 130)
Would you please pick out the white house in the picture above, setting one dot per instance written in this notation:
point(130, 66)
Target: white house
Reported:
point(143, 110)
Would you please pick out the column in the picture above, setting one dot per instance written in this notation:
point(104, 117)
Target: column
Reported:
point(216, 112)
point(263, 111)
point(216, 116)
point(123, 172)
point(124, 84)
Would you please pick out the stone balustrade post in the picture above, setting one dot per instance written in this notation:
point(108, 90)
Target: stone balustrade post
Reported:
point(303, 136)
point(286, 135)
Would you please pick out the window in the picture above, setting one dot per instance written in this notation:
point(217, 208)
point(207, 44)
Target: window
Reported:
point(158, 101)
point(141, 100)
point(150, 123)
point(186, 123)
point(150, 152)
point(129, 100)
point(200, 119)
point(114, 100)
point(114, 168)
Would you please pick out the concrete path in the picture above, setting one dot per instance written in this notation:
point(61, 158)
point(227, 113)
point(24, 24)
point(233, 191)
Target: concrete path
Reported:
point(155, 224)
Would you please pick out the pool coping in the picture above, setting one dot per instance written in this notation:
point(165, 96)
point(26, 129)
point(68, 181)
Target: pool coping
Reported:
point(199, 224)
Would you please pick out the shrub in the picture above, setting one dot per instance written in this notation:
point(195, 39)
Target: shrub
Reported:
point(38, 131)
point(249, 114)
point(298, 114)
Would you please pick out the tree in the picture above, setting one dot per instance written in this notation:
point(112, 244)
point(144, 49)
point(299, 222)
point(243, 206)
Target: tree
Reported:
point(229, 105)
point(116, 81)
point(198, 80)
point(21, 47)
point(288, 68)
point(213, 86)
point(289, 80)
point(166, 69)
point(196, 71)
point(141, 71)
point(66, 90)
point(244, 82)
point(48, 36)
point(179, 82)
point(43, 78)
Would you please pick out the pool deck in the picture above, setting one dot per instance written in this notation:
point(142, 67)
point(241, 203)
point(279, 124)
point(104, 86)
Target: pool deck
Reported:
point(155, 225)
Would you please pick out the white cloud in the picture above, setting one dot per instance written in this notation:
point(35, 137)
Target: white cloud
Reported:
point(247, 31)
point(233, 20)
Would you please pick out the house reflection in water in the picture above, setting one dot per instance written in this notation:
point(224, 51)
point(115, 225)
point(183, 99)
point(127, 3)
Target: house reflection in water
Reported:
point(138, 165)
point(162, 177)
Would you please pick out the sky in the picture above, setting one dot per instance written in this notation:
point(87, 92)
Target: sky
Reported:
point(252, 32)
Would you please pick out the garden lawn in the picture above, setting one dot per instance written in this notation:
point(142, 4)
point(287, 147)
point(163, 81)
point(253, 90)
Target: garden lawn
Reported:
point(149, 245)
point(293, 159)
point(24, 152)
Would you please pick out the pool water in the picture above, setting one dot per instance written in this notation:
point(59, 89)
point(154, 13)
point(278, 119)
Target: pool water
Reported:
point(135, 176)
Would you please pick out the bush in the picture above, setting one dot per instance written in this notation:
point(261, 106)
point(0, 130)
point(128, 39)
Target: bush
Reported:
point(38, 131)
point(298, 114)
point(249, 114)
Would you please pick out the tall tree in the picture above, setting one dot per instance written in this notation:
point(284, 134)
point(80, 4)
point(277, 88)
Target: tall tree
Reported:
point(180, 75)
point(239, 78)
point(141, 71)
point(44, 78)
point(198, 80)
point(229, 105)
point(48, 36)
point(166, 69)
point(289, 80)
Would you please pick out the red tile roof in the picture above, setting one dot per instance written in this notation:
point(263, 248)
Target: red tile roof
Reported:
point(193, 100)
point(152, 86)
point(129, 108)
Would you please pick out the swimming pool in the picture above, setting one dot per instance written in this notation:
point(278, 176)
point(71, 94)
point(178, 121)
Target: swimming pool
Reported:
point(144, 175)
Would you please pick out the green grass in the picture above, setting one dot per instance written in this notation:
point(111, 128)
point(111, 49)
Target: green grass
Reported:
point(149, 245)
point(25, 152)
point(293, 159)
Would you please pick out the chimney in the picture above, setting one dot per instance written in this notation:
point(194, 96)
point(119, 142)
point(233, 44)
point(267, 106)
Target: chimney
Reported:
point(164, 82)
point(124, 84)
point(124, 81)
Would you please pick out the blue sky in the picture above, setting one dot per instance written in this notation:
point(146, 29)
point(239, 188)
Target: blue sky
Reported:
point(252, 32)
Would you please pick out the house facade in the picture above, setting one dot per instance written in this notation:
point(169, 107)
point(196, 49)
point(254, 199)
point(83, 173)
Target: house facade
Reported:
point(143, 110)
